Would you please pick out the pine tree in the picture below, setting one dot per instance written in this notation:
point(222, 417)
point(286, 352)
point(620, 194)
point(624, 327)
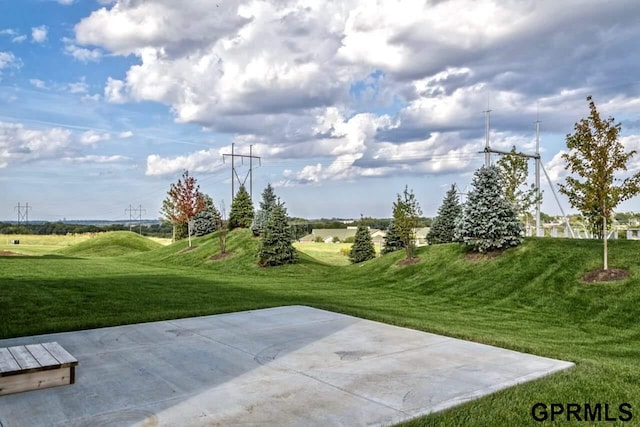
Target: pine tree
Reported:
point(276, 246)
point(392, 241)
point(362, 248)
point(444, 224)
point(205, 221)
point(268, 199)
point(488, 221)
point(262, 215)
point(241, 214)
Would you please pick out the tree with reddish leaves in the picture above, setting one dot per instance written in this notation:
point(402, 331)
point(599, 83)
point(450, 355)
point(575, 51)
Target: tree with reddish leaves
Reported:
point(184, 201)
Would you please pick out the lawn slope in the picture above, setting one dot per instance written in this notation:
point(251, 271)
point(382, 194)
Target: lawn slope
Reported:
point(529, 299)
point(111, 244)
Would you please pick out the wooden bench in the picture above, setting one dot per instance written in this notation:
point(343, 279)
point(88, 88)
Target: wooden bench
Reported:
point(35, 366)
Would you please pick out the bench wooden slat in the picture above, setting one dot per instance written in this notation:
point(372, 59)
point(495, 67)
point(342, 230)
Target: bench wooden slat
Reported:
point(23, 357)
point(7, 362)
point(60, 354)
point(42, 355)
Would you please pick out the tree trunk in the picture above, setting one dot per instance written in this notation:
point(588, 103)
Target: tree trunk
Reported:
point(173, 238)
point(189, 231)
point(606, 264)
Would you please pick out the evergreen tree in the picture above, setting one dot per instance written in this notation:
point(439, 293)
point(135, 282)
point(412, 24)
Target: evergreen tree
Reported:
point(406, 216)
point(241, 214)
point(443, 227)
point(268, 199)
point(488, 220)
point(362, 248)
point(276, 246)
point(205, 221)
point(262, 215)
point(392, 241)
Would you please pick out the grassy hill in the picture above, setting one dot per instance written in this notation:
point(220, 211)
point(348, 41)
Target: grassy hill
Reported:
point(111, 244)
point(529, 299)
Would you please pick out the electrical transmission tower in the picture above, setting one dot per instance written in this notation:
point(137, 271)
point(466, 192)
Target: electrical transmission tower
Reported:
point(23, 213)
point(234, 173)
point(538, 166)
point(130, 210)
point(135, 214)
point(140, 210)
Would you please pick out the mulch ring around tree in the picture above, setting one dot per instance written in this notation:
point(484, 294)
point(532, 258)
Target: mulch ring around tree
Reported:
point(600, 275)
point(484, 256)
point(9, 253)
point(220, 256)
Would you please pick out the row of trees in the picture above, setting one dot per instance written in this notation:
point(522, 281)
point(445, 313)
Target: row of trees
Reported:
point(487, 221)
point(594, 157)
point(186, 206)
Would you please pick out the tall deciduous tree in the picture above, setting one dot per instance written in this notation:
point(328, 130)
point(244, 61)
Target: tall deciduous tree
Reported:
point(488, 221)
point(276, 247)
point(514, 170)
point(443, 227)
point(241, 214)
point(362, 248)
point(184, 201)
point(595, 156)
point(406, 214)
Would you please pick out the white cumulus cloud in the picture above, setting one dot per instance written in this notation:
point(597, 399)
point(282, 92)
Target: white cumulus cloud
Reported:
point(19, 144)
point(39, 34)
point(92, 137)
point(199, 161)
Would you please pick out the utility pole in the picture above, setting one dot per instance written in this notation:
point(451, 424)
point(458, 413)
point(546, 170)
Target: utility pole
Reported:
point(131, 211)
point(140, 210)
point(19, 209)
point(539, 231)
point(487, 130)
point(234, 172)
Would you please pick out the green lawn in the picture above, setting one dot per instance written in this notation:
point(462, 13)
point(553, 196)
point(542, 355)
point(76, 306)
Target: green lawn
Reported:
point(529, 299)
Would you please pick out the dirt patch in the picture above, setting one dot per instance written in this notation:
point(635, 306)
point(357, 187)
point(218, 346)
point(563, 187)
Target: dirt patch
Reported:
point(409, 261)
point(484, 256)
point(9, 253)
point(217, 257)
point(600, 275)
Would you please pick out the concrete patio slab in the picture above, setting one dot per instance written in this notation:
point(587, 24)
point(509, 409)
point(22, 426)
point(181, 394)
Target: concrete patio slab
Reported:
point(288, 366)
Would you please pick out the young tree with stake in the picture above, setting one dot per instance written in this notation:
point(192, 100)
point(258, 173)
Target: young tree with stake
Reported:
point(406, 214)
point(595, 156)
point(184, 201)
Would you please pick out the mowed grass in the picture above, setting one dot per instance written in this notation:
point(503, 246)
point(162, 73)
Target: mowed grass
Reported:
point(34, 244)
point(329, 253)
point(528, 299)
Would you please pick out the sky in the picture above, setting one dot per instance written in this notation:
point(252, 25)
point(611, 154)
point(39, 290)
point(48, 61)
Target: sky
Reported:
point(104, 103)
